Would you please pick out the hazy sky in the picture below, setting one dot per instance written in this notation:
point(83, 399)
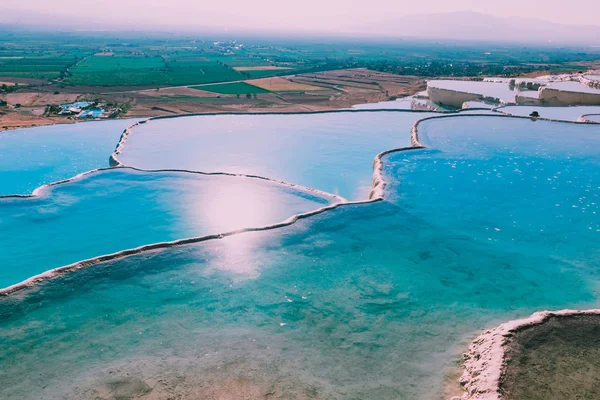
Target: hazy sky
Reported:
point(306, 15)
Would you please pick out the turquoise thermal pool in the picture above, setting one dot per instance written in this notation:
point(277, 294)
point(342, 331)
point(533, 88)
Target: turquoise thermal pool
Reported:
point(516, 182)
point(495, 219)
point(33, 157)
point(328, 151)
point(112, 210)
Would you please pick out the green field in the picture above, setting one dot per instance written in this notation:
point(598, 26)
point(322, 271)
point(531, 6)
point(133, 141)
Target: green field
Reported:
point(224, 100)
point(232, 88)
point(149, 70)
point(117, 70)
point(111, 63)
point(189, 71)
point(47, 67)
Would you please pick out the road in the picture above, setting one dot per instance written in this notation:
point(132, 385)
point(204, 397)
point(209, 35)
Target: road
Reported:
point(175, 87)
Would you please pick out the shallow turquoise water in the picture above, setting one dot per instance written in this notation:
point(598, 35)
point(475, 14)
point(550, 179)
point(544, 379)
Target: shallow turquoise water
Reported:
point(403, 103)
point(333, 152)
point(365, 301)
point(120, 209)
point(531, 186)
point(33, 157)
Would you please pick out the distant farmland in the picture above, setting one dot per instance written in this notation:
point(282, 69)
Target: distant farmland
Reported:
point(45, 67)
point(67, 58)
point(282, 85)
point(232, 88)
point(261, 68)
point(259, 71)
point(104, 70)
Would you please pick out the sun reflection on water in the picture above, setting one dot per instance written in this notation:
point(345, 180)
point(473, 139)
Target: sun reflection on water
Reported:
point(233, 206)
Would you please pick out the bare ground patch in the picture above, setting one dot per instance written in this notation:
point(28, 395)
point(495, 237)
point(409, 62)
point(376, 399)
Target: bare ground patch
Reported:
point(14, 120)
point(180, 91)
point(32, 99)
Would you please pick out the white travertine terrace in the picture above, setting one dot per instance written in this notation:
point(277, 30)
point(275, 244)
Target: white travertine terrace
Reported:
point(424, 105)
point(558, 90)
point(591, 79)
point(455, 93)
point(569, 93)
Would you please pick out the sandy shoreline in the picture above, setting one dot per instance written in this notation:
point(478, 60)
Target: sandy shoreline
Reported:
point(13, 120)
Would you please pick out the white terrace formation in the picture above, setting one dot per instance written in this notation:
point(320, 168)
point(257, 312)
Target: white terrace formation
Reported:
point(558, 90)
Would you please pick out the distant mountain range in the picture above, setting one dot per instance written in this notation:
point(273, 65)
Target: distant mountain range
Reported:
point(469, 26)
point(477, 26)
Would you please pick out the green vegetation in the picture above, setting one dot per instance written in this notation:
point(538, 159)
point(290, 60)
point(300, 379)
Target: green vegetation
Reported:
point(232, 88)
point(52, 109)
point(153, 60)
point(4, 88)
point(190, 70)
point(114, 70)
point(46, 67)
point(213, 100)
point(111, 63)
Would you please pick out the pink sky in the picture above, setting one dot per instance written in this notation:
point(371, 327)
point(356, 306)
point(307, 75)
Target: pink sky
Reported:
point(340, 17)
point(305, 15)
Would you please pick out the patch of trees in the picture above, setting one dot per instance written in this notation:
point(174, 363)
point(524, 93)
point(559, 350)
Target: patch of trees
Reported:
point(4, 88)
point(450, 68)
point(52, 109)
